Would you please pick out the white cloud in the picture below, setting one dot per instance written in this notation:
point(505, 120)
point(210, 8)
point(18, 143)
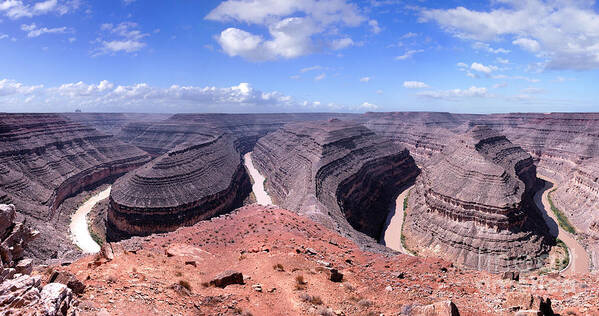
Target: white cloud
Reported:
point(320, 77)
point(409, 54)
point(35, 31)
point(369, 106)
point(365, 79)
point(500, 85)
point(124, 37)
point(342, 43)
point(414, 85)
point(142, 97)
point(502, 60)
point(310, 68)
point(528, 44)
point(16, 9)
point(3, 36)
point(292, 26)
point(456, 93)
point(482, 68)
point(374, 26)
point(10, 87)
point(488, 48)
point(562, 31)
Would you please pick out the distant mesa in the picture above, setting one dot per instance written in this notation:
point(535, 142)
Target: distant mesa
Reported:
point(337, 172)
point(473, 204)
point(197, 180)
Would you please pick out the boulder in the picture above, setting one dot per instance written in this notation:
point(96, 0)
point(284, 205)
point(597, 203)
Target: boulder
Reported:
point(24, 266)
point(443, 308)
point(336, 276)
point(521, 301)
point(55, 299)
point(227, 278)
point(68, 279)
point(511, 275)
point(7, 217)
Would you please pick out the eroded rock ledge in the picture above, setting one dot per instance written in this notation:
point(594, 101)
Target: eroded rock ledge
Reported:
point(473, 204)
point(334, 171)
point(195, 181)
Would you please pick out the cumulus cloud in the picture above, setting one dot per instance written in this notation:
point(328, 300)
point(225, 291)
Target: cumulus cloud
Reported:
point(482, 68)
point(34, 31)
point(456, 93)
point(11, 87)
point(414, 85)
point(486, 47)
point(142, 97)
point(365, 79)
point(124, 37)
point(563, 31)
point(409, 54)
point(16, 9)
point(292, 26)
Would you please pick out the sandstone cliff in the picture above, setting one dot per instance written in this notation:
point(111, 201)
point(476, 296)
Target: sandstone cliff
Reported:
point(197, 180)
point(473, 204)
point(336, 172)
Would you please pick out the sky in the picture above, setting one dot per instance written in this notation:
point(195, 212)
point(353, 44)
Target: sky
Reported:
point(242, 56)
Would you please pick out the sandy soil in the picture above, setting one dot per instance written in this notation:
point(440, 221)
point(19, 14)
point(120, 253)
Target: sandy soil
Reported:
point(79, 229)
point(262, 197)
point(579, 260)
point(392, 235)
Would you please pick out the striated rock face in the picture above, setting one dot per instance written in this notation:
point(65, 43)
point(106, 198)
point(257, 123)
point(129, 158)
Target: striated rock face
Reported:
point(578, 199)
point(112, 123)
point(159, 137)
point(337, 172)
point(45, 158)
point(473, 204)
point(197, 180)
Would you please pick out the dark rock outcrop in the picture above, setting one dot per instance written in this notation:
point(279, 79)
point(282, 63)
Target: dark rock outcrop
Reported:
point(197, 180)
point(473, 204)
point(336, 172)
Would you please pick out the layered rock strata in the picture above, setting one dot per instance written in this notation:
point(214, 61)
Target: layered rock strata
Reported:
point(337, 172)
point(473, 204)
point(45, 158)
point(112, 123)
point(578, 199)
point(159, 137)
point(197, 180)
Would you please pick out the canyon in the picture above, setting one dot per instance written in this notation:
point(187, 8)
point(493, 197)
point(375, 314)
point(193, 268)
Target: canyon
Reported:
point(476, 186)
point(474, 205)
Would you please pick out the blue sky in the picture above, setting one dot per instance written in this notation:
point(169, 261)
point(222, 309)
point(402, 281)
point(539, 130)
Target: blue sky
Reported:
point(300, 55)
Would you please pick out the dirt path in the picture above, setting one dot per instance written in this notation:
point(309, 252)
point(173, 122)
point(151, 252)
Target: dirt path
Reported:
point(579, 260)
point(79, 230)
point(393, 229)
point(262, 197)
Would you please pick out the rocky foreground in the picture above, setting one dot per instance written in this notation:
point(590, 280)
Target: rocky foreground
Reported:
point(269, 261)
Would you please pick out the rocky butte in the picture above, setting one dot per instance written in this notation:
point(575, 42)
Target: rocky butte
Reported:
point(473, 204)
point(337, 172)
point(196, 180)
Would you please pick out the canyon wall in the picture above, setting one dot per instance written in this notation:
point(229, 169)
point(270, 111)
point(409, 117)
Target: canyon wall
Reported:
point(45, 159)
point(337, 172)
point(112, 123)
point(159, 137)
point(473, 204)
point(199, 179)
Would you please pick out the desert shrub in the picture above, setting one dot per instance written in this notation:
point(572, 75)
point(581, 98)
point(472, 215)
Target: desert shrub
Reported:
point(185, 284)
point(279, 267)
